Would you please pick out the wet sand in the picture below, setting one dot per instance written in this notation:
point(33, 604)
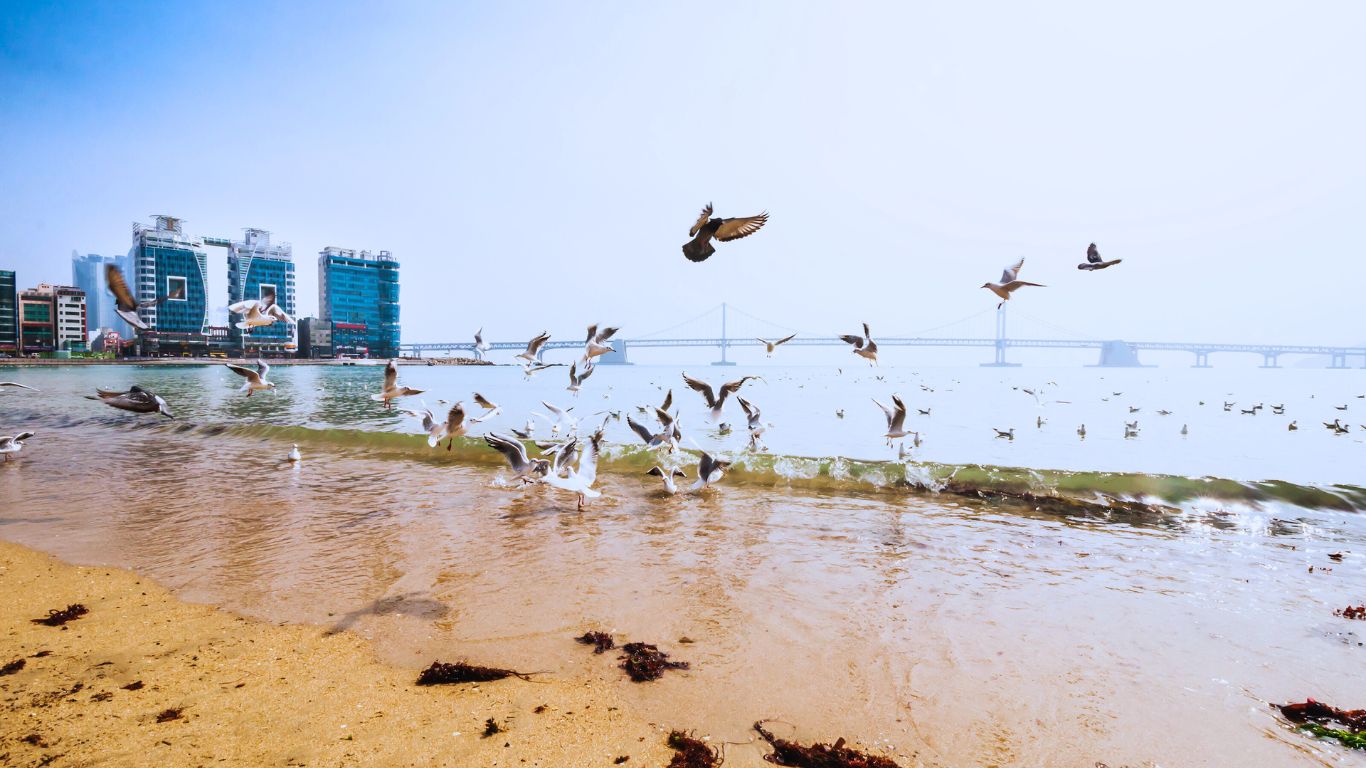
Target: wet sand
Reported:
point(255, 693)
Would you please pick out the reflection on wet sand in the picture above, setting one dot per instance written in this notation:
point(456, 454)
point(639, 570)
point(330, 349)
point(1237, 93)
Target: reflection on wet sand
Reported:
point(950, 630)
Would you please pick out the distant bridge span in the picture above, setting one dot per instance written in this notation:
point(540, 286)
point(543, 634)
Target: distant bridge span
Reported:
point(1113, 353)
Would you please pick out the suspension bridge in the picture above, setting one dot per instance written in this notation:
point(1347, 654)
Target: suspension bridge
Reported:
point(1111, 352)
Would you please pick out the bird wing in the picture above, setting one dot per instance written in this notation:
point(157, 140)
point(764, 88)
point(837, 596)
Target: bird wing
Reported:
point(390, 375)
point(483, 402)
point(1093, 254)
point(559, 414)
point(1011, 272)
point(886, 412)
point(22, 436)
point(785, 339)
point(751, 412)
point(605, 334)
point(849, 338)
point(588, 459)
point(734, 229)
point(665, 420)
point(123, 297)
point(479, 336)
point(701, 220)
point(898, 419)
point(731, 387)
point(247, 373)
point(639, 429)
point(241, 307)
point(564, 454)
point(1013, 284)
point(16, 384)
point(279, 314)
point(705, 466)
point(867, 334)
point(533, 347)
point(702, 387)
point(454, 418)
point(592, 332)
point(263, 368)
point(668, 400)
point(267, 298)
point(513, 451)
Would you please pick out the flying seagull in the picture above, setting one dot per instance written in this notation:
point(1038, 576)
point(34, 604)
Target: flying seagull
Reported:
point(864, 346)
point(525, 469)
point(17, 384)
point(752, 422)
point(255, 380)
point(1094, 261)
point(136, 399)
point(597, 342)
point(772, 345)
point(668, 477)
point(13, 444)
point(1009, 283)
point(725, 230)
point(480, 346)
point(491, 408)
point(258, 313)
point(576, 379)
point(391, 389)
point(896, 419)
point(666, 435)
point(713, 401)
point(126, 305)
point(532, 355)
point(454, 426)
point(562, 419)
point(709, 470)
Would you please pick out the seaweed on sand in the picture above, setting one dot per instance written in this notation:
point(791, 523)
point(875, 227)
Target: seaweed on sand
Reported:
point(1352, 612)
point(12, 667)
point(819, 755)
point(691, 753)
point(57, 617)
point(167, 715)
point(601, 641)
point(491, 727)
point(459, 672)
point(1348, 726)
point(644, 662)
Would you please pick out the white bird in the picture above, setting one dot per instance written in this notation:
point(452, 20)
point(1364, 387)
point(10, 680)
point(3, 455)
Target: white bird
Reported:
point(1009, 283)
point(136, 399)
point(491, 408)
point(17, 384)
point(257, 313)
point(714, 402)
point(597, 342)
point(576, 379)
point(579, 479)
point(752, 422)
point(709, 470)
point(480, 346)
point(864, 346)
point(255, 380)
point(526, 469)
point(454, 426)
point(532, 355)
point(668, 435)
point(562, 419)
point(668, 477)
point(294, 454)
point(391, 389)
point(1008, 434)
point(896, 419)
point(13, 444)
point(772, 345)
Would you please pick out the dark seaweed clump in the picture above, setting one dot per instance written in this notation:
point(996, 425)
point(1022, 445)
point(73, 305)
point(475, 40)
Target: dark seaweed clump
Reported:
point(819, 755)
point(644, 662)
point(1348, 726)
point(12, 667)
point(491, 727)
point(691, 753)
point(601, 641)
point(1352, 612)
point(56, 618)
point(460, 672)
point(167, 715)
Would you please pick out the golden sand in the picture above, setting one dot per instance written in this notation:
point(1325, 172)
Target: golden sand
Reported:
point(253, 693)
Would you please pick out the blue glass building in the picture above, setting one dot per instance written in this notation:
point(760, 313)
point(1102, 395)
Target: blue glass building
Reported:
point(9, 313)
point(361, 288)
point(255, 268)
point(87, 273)
point(165, 262)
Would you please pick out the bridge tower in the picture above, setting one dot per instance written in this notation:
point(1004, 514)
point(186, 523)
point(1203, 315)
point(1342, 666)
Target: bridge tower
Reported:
point(1001, 341)
point(725, 342)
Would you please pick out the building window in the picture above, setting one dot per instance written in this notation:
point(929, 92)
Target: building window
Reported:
point(266, 289)
point(176, 288)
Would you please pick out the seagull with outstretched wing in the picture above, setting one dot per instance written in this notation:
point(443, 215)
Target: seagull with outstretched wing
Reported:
point(1010, 283)
point(1094, 261)
point(255, 380)
point(772, 345)
point(714, 401)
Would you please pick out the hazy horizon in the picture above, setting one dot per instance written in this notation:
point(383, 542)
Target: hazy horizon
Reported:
point(539, 166)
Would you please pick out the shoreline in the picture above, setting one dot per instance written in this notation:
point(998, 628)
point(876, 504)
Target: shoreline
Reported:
point(23, 362)
point(255, 693)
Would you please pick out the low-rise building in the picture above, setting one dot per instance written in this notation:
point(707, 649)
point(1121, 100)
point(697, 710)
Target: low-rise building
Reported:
point(37, 322)
point(70, 316)
point(315, 338)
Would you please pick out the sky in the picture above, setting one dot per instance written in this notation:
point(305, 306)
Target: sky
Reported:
point(538, 165)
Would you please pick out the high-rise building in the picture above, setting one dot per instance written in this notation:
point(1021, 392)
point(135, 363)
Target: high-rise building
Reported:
point(165, 262)
point(360, 288)
point(37, 321)
point(87, 273)
point(9, 313)
point(70, 315)
point(257, 268)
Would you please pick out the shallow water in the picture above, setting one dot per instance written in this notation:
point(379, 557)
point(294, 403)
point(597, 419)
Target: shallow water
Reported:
point(951, 630)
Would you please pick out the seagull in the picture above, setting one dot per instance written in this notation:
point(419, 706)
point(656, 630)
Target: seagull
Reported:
point(1164, 413)
point(1039, 422)
point(597, 342)
point(454, 426)
point(713, 402)
point(752, 421)
point(1340, 407)
point(864, 346)
point(1292, 426)
point(125, 305)
point(1093, 260)
point(17, 384)
point(294, 454)
point(1134, 410)
point(532, 355)
point(13, 444)
point(667, 477)
point(136, 399)
point(491, 408)
point(525, 469)
point(772, 345)
point(1184, 431)
point(1133, 425)
point(725, 230)
point(839, 413)
point(480, 346)
point(923, 411)
point(580, 479)
point(255, 380)
point(667, 404)
point(391, 389)
point(709, 471)
point(1008, 434)
point(576, 380)
point(258, 313)
point(1009, 283)
point(666, 435)
point(1081, 431)
point(896, 419)
point(531, 369)
point(562, 418)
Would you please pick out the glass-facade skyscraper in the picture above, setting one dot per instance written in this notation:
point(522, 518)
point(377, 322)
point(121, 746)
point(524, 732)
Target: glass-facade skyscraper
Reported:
point(87, 273)
point(361, 288)
point(165, 262)
point(257, 267)
point(9, 313)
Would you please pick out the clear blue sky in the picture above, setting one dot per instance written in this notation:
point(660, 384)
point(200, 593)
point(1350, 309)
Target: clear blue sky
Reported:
point(538, 165)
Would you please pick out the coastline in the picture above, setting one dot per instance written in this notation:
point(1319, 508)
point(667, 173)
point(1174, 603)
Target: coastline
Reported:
point(255, 693)
point(192, 361)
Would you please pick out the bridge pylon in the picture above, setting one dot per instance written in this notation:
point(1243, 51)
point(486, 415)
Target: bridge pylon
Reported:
point(725, 342)
point(1001, 342)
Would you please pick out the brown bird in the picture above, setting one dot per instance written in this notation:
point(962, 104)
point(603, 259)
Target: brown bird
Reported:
point(725, 230)
point(1094, 261)
point(1009, 283)
point(714, 401)
point(125, 304)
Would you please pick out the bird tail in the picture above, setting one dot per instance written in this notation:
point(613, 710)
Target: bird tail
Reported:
point(242, 326)
point(698, 250)
point(377, 398)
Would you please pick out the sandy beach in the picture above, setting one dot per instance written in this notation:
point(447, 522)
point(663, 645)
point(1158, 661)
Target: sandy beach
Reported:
point(254, 693)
